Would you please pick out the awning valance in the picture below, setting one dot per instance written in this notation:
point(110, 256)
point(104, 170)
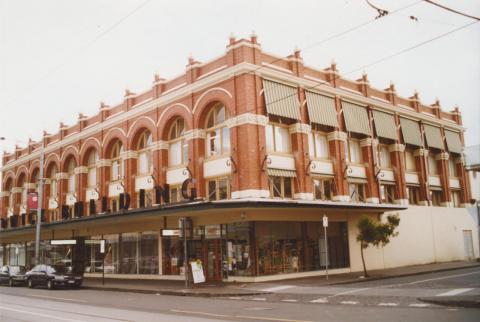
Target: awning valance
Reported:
point(321, 109)
point(385, 125)
point(281, 100)
point(411, 132)
point(433, 136)
point(454, 143)
point(281, 173)
point(356, 118)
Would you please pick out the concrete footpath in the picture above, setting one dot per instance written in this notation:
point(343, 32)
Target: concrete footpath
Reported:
point(246, 289)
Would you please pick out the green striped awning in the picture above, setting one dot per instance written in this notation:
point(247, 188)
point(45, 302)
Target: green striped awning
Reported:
point(356, 118)
point(433, 136)
point(411, 132)
point(385, 125)
point(281, 173)
point(321, 109)
point(454, 143)
point(281, 100)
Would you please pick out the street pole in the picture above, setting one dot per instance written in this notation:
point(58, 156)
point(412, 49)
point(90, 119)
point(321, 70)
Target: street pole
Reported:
point(185, 250)
point(39, 207)
point(325, 225)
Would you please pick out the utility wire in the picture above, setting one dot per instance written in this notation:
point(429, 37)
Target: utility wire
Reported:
point(379, 60)
point(452, 10)
point(86, 46)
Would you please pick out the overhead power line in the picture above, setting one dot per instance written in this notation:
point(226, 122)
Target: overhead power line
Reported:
point(452, 10)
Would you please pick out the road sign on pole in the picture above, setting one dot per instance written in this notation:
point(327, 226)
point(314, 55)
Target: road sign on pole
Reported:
point(325, 225)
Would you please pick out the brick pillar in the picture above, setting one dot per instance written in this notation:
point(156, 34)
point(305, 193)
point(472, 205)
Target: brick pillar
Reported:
point(17, 199)
point(160, 157)
point(130, 171)
point(31, 187)
point(82, 182)
point(196, 156)
point(103, 167)
point(465, 192)
point(46, 196)
point(336, 145)
point(299, 136)
point(442, 164)
point(372, 192)
point(397, 158)
point(3, 203)
point(249, 151)
point(421, 165)
point(62, 181)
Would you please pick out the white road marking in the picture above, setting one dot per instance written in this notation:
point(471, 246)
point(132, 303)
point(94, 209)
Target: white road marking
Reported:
point(259, 299)
point(349, 302)
point(258, 318)
point(429, 280)
point(278, 288)
point(288, 300)
point(388, 304)
point(321, 300)
point(419, 305)
point(57, 298)
point(234, 298)
point(455, 292)
point(351, 291)
point(23, 311)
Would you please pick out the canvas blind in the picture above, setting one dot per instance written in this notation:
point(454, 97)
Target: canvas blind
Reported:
point(356, 118)
point(281, 100)
point(321, 109)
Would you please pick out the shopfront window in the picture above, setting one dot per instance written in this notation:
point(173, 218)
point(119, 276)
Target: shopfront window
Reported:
point(172, 259)
point(112, 254)
point(239, 255)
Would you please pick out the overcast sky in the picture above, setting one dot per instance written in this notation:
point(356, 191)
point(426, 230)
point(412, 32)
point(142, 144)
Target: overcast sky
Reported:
point(59, 58)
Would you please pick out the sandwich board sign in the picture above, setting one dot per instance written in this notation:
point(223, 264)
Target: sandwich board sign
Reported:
point(197, 272)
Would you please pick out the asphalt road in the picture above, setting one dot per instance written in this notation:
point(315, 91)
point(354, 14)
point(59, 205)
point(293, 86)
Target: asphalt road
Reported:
point(386, 300)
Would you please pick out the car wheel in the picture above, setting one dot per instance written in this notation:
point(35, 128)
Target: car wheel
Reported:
point(50, 285)
point(30, 283)
point(10, 282)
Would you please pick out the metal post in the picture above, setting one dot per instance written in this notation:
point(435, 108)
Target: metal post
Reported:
point(326, 251)
point(185, 251)
point(39, 207)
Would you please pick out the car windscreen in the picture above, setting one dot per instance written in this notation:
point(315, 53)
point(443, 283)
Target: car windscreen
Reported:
point(58, 269)
point(17, 269)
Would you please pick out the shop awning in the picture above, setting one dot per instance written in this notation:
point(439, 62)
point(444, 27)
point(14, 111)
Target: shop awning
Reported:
point(385, 125)
point(454, 143)
point(356, 118)
point(321, 109)
point(281, 173)
point(281, 100)
point(433, 136)
point(411, 132)
point(356, 180)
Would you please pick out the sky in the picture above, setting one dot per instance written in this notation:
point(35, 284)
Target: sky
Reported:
point(60, 58)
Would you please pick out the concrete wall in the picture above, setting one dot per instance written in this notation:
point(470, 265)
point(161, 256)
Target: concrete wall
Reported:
point(426, 235)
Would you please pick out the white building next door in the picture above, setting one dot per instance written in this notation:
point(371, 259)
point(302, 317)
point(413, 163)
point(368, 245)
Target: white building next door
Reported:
point(468, 244)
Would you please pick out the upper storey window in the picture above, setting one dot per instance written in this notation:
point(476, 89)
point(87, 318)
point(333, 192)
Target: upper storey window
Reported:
point(318, 145)
point(218, 134)
point(117, 170)
point(278, 138)
point(71, 176)
point(92, 169)
point(53, 182)
point(432, 165)
point(353, 151)
point(452, 169)
point(384, 156)
point(410, 161)
point(178, 147)
point(145, 164)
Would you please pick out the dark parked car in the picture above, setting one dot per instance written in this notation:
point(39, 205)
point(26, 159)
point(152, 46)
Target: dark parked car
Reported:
point(52, 276)
point(12, 275)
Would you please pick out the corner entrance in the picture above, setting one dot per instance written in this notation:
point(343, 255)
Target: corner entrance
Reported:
point(213, 260)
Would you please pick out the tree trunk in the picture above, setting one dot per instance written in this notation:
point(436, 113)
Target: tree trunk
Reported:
point(363, 261)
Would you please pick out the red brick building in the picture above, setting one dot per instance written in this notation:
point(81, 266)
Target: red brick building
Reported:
point(247, 145)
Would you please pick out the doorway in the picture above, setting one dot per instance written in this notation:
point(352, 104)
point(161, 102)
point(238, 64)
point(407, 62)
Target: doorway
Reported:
point(213, 260)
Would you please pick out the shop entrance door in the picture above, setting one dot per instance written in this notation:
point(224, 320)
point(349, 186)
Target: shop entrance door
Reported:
point(213, 260)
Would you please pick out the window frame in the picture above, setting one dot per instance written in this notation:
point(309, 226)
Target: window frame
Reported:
point(348, 151)
point(92, 167)
point(177, 138)
point(406, 155)
point(217, 180)
point(382, 150)
point(116, 160)
point(219, 126)
point(144, 147)
point(322, 181)
point(274, 145)
point(312, 141)
point(282, 187)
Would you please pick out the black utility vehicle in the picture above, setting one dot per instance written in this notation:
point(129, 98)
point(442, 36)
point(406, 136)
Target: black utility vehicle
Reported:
point(52, 276)
point(12, 275)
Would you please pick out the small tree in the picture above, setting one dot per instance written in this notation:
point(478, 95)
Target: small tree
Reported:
point(375, 233)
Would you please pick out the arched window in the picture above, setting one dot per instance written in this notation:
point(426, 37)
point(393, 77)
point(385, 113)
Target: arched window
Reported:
point(35, 177)
point(117, 162)
point(178, 146)
point(218, 134)
point(8, 187)
point(72, 182)
point(145, 164)
point(23, 198)
point(92, 169)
